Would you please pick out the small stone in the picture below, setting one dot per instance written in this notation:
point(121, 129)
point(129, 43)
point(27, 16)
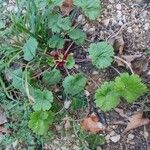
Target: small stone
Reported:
point(73, 136)
point(146, 26)
point(98, 148)
point(115, 138)
point(87, 93)
point(91, 30)
point(94, 72)
point(118, 6)
point(130, 136)
point(105, 22)
point(111, 1)
point(86, 27)
point(107, 137)
point(119, 15)
point(112, 133)
point(80, 17)
point(67, 104)
point(129, 30)
point(10, 8)
point(120, 23)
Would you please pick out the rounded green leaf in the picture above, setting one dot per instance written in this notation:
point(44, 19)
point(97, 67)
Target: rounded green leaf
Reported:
point(74, 84)
point(39, 121)
point(52, 77)
point(91, 8)
point(106, 97)
point(56, 42)
point(130, 86)
point(78, 36)
point(43, 99)
point(101, 54)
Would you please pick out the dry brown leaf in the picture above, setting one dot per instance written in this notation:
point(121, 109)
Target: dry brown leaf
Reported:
point(67, 7)
point(121, 113)
point(2, 117)
point(136, 121)
point(119, 45)
point(140, 64)
point(92, 124)
point(128, 59)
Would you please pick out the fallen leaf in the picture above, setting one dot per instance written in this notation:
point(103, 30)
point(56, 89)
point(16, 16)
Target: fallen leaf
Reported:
point(136, 121)
point(92, 124)
point(66, 7)
point(119, 45)
point(2, 117)
point(140, 64)
point(121, 113)
point(128, 59)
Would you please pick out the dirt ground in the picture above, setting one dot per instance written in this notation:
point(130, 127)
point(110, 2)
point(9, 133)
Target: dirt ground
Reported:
point(129, 19)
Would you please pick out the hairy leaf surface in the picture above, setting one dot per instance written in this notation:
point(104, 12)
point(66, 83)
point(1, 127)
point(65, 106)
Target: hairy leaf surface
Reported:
point(101, 54)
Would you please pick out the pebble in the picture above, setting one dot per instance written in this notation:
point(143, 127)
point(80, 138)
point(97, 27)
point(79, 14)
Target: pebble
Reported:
point(86, 27)
point(94, 72)
point(130, 136)
point(111, 1)
point(105, 22)
point(98, 148)
point(119, 14)
point(107, 137)
point(146, 26)
point(120, 23)
point(129, 30)
point(80, 17)
point(118, 6)
point(112, 133)
point(91, 30)
point(115, 138)
point(67, 104)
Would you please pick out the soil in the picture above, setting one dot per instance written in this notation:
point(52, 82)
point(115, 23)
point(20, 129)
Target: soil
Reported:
point(130, 20)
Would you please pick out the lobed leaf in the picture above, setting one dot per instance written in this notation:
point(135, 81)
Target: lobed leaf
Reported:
point(40, 121)
point(78, 36)
point(43, 99)
point(74, 84)
point(101, 54)
point(56, 42)
point(130, 86)
point(106, 97)
point(91, 8)
point(57, 23)
point(52, 77)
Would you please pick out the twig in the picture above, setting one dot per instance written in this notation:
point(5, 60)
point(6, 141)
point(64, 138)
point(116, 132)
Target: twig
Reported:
point(39, 74)
point(114, 35)
point(31, 99)
point(116, 57)
point(116, 70)
point(82, 60)
point(68, 48)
